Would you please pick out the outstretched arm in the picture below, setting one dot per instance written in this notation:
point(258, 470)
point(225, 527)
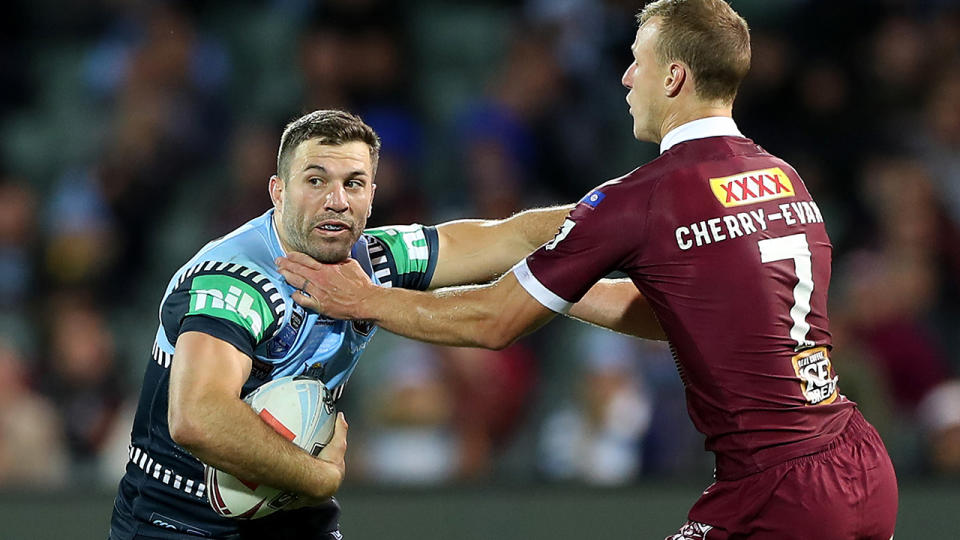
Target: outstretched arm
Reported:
point(467, 316)
point(490, 316)
point(476, 251)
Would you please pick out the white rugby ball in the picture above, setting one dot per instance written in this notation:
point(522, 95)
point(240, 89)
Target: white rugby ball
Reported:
point(301, 410)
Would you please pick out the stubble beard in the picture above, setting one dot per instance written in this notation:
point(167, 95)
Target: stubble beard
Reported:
point(299, 238)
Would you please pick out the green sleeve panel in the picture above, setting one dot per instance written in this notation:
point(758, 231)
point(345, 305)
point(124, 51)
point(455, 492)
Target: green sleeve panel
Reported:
point(235, 295)
point(404, 256)
point(228, 298)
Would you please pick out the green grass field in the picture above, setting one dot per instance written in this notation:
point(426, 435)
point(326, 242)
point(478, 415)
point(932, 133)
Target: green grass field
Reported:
point(652, 510)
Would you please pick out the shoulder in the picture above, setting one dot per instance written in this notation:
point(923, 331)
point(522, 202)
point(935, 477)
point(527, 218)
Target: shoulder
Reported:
point(403, 255)
point(252, 241)
point(240, 293)
point(232, 278)
point(618, 195)
point(643, 178)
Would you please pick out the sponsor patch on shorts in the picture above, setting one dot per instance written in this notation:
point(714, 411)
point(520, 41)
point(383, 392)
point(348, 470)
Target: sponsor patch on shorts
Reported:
point(818, 382)
point(752, 187)
point(164, 522)
point(692, 531)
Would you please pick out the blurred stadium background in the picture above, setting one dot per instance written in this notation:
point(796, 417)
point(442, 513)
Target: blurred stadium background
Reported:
point(134, 131)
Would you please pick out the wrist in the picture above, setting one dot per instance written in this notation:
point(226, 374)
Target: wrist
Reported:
point(366, 306)
point(328, 480)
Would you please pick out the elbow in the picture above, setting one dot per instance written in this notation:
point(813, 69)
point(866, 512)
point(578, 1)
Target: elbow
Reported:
point(184, 428)
point(496, 336)
point(494, 343)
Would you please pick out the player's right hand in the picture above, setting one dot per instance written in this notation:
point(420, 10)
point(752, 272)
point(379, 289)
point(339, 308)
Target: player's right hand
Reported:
point(334, 453)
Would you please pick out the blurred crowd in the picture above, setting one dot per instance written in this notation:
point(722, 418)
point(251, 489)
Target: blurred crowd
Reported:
point(134, 131)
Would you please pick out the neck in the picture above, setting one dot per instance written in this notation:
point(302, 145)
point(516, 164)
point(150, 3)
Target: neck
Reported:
point(676, 118)
point(279, 230)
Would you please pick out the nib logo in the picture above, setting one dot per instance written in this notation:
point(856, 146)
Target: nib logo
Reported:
point(752, 187)
point(236, 301)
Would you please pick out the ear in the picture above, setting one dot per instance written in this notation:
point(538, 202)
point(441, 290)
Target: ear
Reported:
point(276, 192)
point(372, 193)
point(676, 77)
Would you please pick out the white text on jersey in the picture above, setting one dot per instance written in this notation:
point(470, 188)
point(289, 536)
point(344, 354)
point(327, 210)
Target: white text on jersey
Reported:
point(722, 228)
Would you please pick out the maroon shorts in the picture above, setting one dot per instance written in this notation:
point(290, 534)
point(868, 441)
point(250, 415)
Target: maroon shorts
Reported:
point(846, 492)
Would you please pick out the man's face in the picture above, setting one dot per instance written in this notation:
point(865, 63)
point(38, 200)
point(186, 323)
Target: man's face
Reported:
point(644, 78)
point(322, 208)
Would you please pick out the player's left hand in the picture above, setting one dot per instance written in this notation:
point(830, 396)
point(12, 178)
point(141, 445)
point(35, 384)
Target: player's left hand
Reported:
point(336, 290)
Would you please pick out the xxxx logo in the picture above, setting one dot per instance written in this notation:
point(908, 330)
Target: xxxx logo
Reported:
point(752, 187)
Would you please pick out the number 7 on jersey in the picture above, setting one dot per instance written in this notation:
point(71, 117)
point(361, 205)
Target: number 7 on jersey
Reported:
point(794, 247)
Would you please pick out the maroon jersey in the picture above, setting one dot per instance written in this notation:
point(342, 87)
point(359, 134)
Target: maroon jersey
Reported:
point(731, 252)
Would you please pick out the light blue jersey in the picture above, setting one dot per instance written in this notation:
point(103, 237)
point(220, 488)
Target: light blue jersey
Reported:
point(232, 290)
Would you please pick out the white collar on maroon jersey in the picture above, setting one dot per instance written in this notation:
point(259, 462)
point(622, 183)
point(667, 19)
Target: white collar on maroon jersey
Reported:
point(713, 126)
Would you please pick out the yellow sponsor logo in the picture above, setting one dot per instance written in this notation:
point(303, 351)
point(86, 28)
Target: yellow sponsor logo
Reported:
point(752, 187)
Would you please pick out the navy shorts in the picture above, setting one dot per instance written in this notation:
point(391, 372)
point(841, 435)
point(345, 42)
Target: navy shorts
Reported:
point(312, 523)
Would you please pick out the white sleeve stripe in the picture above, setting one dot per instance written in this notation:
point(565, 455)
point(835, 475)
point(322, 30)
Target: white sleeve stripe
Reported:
point(537, 290)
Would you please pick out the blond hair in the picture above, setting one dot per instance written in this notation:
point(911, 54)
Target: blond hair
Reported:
point(709, 37)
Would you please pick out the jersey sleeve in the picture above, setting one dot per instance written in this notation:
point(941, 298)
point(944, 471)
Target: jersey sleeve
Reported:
point(403, 256)
point(591, 243)
point(228, 301)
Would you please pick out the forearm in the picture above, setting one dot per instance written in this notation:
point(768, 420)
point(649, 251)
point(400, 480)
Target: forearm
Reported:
point(619, 306)
point(234, 439)
point(445, 316)
point(490, 316)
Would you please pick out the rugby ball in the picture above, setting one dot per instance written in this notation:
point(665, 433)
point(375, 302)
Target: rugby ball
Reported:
point(301, 410)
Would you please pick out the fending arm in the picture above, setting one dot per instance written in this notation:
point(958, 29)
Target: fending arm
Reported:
point(490, 316)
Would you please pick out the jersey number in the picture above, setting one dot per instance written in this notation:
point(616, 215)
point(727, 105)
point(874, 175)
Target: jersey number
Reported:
point(565, 229)
point(794, 247)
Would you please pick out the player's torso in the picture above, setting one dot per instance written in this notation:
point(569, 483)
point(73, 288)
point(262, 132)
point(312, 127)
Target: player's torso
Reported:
point(736, 260)
point(234, 279)
point(234, 276)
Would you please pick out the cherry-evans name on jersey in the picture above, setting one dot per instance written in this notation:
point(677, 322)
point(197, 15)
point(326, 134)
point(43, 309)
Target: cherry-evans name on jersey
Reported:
point(732, 226)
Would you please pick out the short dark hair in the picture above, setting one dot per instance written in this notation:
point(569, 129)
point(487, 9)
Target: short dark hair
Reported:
point(331, 127)
point(707, 35)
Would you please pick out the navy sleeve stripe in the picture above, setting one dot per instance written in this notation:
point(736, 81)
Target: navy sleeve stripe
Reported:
point(384, 267)
point(220, 329)
point(433, 242)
